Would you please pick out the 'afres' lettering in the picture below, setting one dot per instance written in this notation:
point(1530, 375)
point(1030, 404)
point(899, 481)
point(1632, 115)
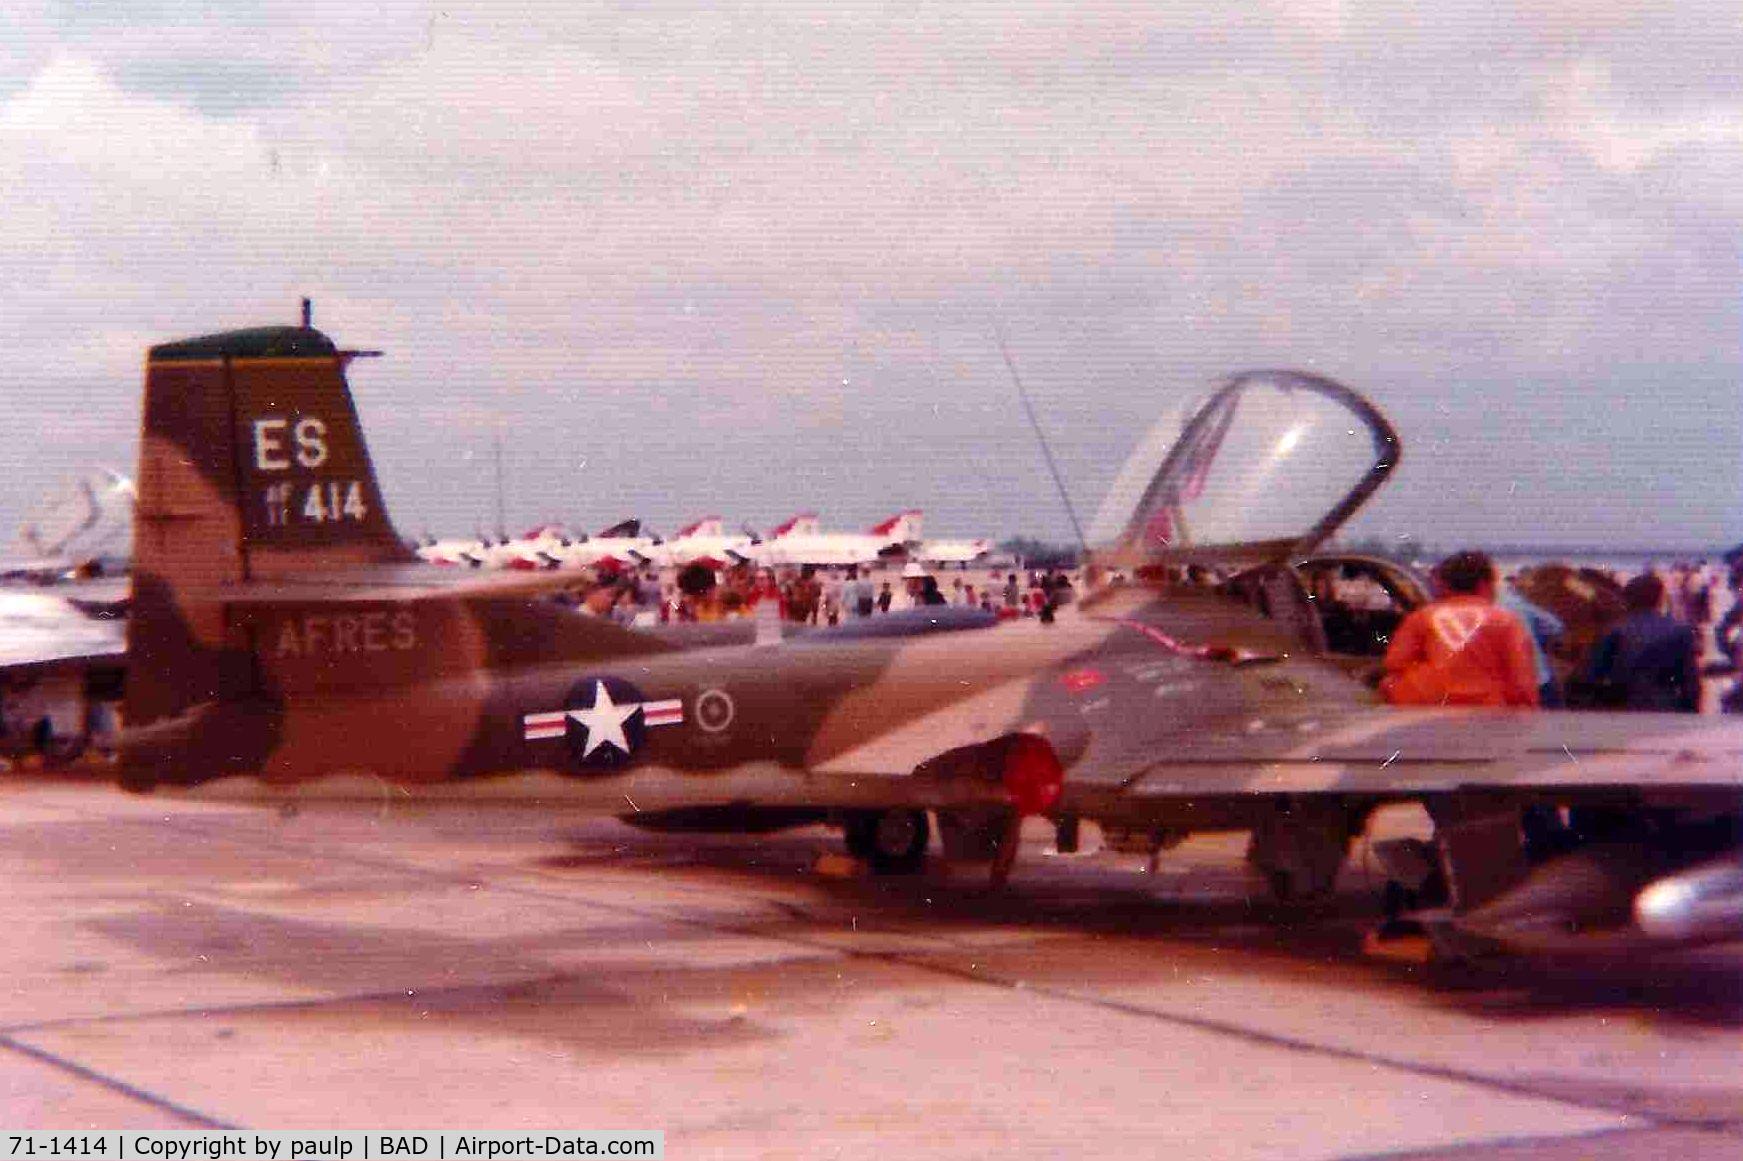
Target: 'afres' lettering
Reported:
point(341, 634)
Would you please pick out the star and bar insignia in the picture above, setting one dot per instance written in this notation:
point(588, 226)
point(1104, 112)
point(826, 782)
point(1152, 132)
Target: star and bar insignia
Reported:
point(604, 722)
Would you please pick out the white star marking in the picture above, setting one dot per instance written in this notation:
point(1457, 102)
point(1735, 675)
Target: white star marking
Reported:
point(604, 721)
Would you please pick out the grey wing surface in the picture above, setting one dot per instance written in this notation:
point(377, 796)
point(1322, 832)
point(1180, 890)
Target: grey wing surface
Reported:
point(1387, 752)
point(39, 632)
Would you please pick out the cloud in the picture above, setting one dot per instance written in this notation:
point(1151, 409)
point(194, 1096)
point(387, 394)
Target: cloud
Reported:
point(723, 257)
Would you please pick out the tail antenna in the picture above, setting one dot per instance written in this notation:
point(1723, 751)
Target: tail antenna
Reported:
point(1041, 437)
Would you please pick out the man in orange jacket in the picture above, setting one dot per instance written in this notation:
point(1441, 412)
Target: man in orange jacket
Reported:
point(1461, 650)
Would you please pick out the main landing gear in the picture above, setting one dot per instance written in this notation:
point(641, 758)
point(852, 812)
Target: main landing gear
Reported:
point(1020, 769)
point(891, 842)
point(1298, 848)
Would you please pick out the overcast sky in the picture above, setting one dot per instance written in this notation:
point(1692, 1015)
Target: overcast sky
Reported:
point(750, 259)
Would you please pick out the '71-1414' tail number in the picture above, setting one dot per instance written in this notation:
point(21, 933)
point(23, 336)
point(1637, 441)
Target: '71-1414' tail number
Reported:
point(321, 502)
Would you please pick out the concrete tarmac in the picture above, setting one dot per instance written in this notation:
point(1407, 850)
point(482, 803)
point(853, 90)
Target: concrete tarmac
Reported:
point(178, 964)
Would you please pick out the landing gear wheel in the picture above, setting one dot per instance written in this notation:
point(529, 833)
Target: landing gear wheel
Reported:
point(1298, 850)
point(893, 841)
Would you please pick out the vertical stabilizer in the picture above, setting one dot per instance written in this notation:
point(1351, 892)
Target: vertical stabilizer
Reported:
point(804, 524)
point(279, 625)
point(903, 526)
point(707, 526)
point(252, 467)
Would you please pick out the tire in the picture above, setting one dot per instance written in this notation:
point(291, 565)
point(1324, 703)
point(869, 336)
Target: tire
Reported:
point(893, 842)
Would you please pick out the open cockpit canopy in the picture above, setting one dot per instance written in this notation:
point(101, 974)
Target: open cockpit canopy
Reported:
point(1267, 467)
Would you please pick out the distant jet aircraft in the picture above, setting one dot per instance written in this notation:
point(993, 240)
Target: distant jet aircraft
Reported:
point(453, 551)
point(61, 664)
point(63, 598)
point(962, 552)
point(801, 540)
point(547, 546)
point(621, 546)
point(537, 548)
point(83, 528)
point(285, 642)
point(705, 541)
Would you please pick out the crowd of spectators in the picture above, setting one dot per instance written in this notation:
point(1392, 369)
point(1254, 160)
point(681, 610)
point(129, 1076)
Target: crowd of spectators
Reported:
point(1482, 641)
point(808, 594)
point(1649, 659)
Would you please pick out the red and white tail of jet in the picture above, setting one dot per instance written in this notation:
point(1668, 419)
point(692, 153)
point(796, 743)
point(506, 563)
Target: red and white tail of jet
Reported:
point(801, 540)
point(796, 541)
point(704, 542)
point(803, 524)
point(707, 526)
point(902, 528)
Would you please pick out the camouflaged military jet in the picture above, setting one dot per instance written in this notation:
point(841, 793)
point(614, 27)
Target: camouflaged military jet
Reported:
point(283, 640)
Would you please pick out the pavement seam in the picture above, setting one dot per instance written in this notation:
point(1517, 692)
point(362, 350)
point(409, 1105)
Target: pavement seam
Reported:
point(917, 962)
point(114, 1084)
point(251, 1007)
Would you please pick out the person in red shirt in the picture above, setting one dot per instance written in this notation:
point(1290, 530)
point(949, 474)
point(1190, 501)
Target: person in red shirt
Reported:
point(1462, 649)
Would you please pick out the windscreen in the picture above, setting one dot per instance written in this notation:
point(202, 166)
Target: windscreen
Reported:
point(1272, 457)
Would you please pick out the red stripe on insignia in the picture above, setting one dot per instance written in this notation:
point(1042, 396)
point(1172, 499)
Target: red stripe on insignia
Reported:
point(663, 713)
point(545, 725)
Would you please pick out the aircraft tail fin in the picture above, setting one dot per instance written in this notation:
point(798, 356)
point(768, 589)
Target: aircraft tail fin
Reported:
point(707, 526)
point(903, 526)
point(252, 467)
point(252, 451)
point(270, 584)
point(803, 524)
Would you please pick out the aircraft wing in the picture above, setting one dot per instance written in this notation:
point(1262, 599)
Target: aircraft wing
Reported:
point(1137, 713)
point(34, 567)
point(1386, 751)
point(1116, 768)
point(40, 633)
point(26, 662)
